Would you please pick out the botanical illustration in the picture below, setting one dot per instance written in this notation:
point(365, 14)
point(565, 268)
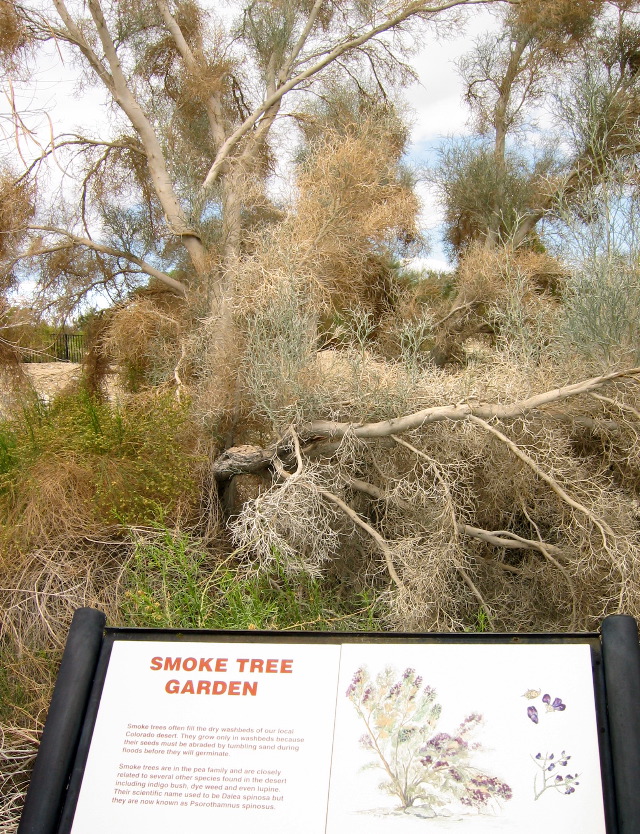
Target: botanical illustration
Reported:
point(549, 776)
point(548, 705)
point(425, 768)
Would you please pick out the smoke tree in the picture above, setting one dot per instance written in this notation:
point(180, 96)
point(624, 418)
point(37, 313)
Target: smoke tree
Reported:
point(436, 440)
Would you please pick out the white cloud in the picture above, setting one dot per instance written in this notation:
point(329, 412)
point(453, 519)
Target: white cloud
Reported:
point(437, 97)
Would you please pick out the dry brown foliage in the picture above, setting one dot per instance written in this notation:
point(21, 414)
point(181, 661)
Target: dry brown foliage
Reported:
point(350, 203)
point(16, 209)
point(489, 283)
point(18, 748)
point(142, 338)
point(559, 22)
point(350, 200)
point(525, 524)
point(38, 596)
point(13, 33)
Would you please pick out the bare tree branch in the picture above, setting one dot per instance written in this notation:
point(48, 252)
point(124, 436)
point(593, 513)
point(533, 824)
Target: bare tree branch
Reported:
point(602, 526)
point(193, 64)
point(572, 588)
point(499, 538)
point(289, 63)
point(618, 405)
point(76, 240)
point(450, 507)
point(74, 35)
point(371, 531)
point(117, 84)
point(410, 422)
point(326, 58)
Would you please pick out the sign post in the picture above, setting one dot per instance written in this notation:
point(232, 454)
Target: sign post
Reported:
point(153, 731)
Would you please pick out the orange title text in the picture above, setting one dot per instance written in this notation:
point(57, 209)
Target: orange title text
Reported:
point(215, 666)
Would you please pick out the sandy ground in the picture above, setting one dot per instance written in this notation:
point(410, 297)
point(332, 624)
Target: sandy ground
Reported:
point(49, 378)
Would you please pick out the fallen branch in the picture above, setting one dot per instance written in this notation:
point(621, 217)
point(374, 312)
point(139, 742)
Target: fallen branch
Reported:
point(462, 411)
point(362, 524)
point(323, 436)
point(498, 538)
point(242, 460)
point(454, 523)
point(621, 406)
point(346, 509)
point(506, 539)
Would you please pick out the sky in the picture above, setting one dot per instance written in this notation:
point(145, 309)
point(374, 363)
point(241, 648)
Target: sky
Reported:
point(435, 110)
point(439, 112)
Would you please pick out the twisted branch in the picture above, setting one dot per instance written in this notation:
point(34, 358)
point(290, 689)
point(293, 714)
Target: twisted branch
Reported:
point(462, 411)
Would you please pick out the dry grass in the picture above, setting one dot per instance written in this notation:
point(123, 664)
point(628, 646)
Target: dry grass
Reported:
point(18, 748)
point(37, 599)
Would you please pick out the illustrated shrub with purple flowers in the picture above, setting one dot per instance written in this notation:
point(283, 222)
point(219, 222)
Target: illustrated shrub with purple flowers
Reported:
point(422, 765)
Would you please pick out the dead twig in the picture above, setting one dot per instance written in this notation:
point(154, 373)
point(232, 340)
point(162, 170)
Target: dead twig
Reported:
point(454, 522)
point(561, 568)
point(346, 509)
point(621, 406)
point(371, 531)
point(602, 526)
point(499, 538)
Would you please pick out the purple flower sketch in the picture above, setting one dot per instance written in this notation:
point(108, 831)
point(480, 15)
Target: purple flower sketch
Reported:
point(548, 777)
point(423, 766)
point(556, 705)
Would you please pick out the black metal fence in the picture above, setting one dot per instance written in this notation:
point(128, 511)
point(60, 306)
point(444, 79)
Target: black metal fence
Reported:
point(66, 347)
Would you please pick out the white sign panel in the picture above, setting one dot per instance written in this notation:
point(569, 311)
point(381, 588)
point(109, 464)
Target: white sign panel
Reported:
point(330, 739)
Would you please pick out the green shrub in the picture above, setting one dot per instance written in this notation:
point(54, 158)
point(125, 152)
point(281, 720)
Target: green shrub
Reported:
point(603, 310)
point(77, 464)
point(172, 582)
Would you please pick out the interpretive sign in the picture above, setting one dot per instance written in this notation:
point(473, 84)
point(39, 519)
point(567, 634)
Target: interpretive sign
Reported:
point(331, 734)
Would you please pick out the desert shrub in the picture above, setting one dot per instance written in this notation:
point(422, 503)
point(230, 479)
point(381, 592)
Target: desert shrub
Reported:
point(602, 310)
point(504, 296)
point(142, 337)
point(429, 504)
point(287, 379)
point(18, 748)
point(279, 357)
point(165, 581)
point(77, 465)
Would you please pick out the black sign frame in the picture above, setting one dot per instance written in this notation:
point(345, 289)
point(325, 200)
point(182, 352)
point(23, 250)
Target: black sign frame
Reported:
point(57, 776)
